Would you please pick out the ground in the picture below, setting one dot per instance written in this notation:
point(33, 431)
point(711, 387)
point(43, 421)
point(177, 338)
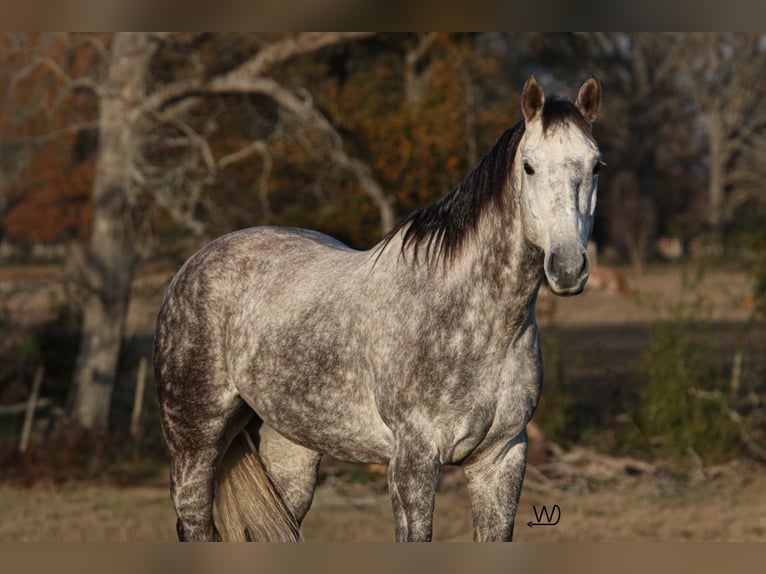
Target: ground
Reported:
point(603, 330)
point(345, 510)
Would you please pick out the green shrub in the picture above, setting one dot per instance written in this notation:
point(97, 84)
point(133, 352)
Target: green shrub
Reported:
point(680, 402)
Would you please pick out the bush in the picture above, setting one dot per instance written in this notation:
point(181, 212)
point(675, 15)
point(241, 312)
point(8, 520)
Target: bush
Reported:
point(683, 404)
point(678, 410)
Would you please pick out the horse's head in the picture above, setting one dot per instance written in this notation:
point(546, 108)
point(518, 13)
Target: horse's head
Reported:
point(556, 168)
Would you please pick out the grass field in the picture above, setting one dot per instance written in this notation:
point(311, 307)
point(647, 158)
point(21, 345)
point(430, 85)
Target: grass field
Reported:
point(733, 509)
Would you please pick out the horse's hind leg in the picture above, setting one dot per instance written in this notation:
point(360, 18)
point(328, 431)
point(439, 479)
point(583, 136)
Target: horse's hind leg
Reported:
point(293, 468)
point(198, 438)
point(192, 492)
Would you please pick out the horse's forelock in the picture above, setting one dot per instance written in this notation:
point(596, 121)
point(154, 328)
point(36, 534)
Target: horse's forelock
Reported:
point(558, 112)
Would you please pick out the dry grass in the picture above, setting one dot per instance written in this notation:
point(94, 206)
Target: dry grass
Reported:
point(729, 510)
point(702, 514)
point(82, 513)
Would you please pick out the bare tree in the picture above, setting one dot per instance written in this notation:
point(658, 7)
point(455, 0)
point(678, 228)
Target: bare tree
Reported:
point(723, 75)
point(416, 69)
point(129, 111)
point(110, 257)
point(631, 217)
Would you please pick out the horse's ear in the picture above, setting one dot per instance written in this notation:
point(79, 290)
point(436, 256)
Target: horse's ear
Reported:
point(532, 100)
point(589, 99)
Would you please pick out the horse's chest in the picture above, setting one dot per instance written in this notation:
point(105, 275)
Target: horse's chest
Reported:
point(503, 408)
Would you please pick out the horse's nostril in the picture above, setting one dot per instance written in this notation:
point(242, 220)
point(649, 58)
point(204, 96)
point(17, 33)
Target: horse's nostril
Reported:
point(585, 265)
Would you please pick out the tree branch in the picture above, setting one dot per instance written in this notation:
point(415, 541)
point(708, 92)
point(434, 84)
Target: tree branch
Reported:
point(61, 132)
point(261, 63)
point(287, 49)
point(425, 41)
point(734, 416)
point(69, 82)
point(304, 109)
point(249, 78)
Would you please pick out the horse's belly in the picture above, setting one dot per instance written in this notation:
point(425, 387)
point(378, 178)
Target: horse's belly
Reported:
point(362, 443)
point(357, 440)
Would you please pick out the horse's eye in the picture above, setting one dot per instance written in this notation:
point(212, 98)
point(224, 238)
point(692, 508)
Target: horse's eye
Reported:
point(528, 169)
point(597, 167)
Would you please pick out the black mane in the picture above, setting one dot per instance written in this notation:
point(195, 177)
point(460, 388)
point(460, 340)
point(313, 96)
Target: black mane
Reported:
point(442, 228)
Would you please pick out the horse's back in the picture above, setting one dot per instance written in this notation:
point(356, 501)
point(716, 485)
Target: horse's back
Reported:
point(237, 261)
point(221, 280)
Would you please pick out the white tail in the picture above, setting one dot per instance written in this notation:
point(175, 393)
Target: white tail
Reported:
point(248, 506)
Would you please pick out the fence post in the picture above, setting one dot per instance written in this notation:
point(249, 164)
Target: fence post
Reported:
point(26, 430)
point(138, 400)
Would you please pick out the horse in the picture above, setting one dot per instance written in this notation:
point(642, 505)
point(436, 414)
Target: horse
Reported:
point(275, 345)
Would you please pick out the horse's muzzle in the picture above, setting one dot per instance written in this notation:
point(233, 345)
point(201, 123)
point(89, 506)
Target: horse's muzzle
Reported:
point(567, 271)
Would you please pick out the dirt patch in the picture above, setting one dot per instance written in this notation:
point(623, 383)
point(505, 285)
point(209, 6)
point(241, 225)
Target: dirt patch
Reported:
point(658, 293)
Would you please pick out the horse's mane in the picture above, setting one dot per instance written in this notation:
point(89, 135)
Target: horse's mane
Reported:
point(441, 229)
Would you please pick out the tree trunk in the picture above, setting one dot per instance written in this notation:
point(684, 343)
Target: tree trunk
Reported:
point(110, 259)
point(416, 72)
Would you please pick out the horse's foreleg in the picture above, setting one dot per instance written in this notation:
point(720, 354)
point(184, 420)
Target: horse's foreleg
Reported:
point(413, 475)
point(494, 487)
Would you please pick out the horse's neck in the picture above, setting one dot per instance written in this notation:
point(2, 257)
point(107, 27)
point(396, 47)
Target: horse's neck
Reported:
point(496, 271)
point(510, 254)
point(503, 268)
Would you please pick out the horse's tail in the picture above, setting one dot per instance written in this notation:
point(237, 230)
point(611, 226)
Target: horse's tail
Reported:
point(247, 504)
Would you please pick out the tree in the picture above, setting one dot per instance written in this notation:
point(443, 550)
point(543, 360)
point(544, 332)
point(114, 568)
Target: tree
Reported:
point(643, 76)
point(722, 74)
point(424, 109)
point(108, 266)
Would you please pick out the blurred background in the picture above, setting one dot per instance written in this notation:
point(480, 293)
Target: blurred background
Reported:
point(122, 154)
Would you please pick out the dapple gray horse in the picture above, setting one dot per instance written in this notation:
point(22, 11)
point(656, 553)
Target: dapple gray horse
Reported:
point(276, 345)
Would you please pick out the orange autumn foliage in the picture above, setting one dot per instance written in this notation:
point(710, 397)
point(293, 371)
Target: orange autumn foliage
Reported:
point(51, 162)
point(54, 198)
point(420, 152)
